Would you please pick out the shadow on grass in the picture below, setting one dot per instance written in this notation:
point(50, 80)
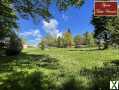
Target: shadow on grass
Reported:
point(37, 81)
point(44, 61)
point(72, 84)
point(115, 62)
point(84, 49)
point(25, 60)
point(91, 50)
point(100, 77)
point(24, 81)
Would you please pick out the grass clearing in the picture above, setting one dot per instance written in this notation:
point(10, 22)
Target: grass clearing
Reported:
point(59, 64)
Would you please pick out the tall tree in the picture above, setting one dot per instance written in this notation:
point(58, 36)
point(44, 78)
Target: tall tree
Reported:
point(113, 28)
point(59, 42)
point(89, 39)
point(68, 38)
point(77, 40)
point(106, 29)
point(42, 45)
point(86, 38)
point(50, 41)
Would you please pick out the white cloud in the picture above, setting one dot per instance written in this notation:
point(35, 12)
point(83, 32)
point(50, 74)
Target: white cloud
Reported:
point(31, 32)
point(51, 27)
point(33, 36)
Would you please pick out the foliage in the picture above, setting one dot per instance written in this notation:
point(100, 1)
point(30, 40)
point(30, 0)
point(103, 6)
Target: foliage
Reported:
point(50, 41)
point(68, 38)
point(60, 42)
point(107, 29)
point(10, 10)
point(23, 40)
point(65, 4)
point(7, 17)
point(42, 45)
point(28, 8)
point(113, 27)
point(15, 44)
point(89, 39)
point(11, 43)
point(77, 39)
point(86, 39)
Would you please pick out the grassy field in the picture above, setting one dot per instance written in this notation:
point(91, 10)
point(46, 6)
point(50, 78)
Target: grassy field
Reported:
point(73, 60)
point(88, 66)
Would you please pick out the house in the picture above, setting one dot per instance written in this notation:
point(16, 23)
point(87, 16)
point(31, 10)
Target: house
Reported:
point(25, 46)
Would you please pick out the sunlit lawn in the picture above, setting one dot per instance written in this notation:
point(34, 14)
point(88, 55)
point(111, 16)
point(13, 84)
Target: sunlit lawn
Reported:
point(58, 63)
point(73, 59)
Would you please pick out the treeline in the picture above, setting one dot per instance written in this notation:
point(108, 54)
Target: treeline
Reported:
point(67, 40)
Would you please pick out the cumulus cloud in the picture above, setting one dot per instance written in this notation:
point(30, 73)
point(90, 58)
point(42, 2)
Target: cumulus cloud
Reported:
point(51, 27)
point(33, 36)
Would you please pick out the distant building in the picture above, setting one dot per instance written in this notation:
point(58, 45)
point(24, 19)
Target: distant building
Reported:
point(28, 46)
point(25, 46)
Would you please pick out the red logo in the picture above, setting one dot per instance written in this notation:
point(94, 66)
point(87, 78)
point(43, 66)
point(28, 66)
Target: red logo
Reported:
point(105, 8)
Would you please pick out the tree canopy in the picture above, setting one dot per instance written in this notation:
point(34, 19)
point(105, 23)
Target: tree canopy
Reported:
point(107, 28)
point(11, 9)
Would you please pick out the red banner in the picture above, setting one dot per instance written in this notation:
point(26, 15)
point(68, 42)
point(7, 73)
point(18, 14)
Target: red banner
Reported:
point(105, 9)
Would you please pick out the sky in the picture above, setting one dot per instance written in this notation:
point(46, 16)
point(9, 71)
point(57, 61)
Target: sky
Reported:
point(78, 20)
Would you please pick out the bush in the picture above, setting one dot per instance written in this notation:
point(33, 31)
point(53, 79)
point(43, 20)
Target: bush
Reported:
point(42, 45)
point(15, 45)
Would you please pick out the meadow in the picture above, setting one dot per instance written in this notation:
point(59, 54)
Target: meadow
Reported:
point(60, 69)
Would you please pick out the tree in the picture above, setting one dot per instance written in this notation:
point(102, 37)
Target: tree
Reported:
point(24, 40)
point(108, 27)
point(14, 46)
point(77, 40)
point(113, 27)
point(10, 10)
point(42, 45)
point(8, 19)
point(65, 4)
point(29, 8)
point(89, 39)
point(59, 42)
point(104, 29)
point(86, 38)
point(68, 38)
point(50, 41)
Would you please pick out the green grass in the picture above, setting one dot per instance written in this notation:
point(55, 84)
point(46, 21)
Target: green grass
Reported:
point(58, 64)
point(74, 59)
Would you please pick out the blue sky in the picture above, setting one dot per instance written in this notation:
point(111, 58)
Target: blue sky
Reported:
point(77, 20)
